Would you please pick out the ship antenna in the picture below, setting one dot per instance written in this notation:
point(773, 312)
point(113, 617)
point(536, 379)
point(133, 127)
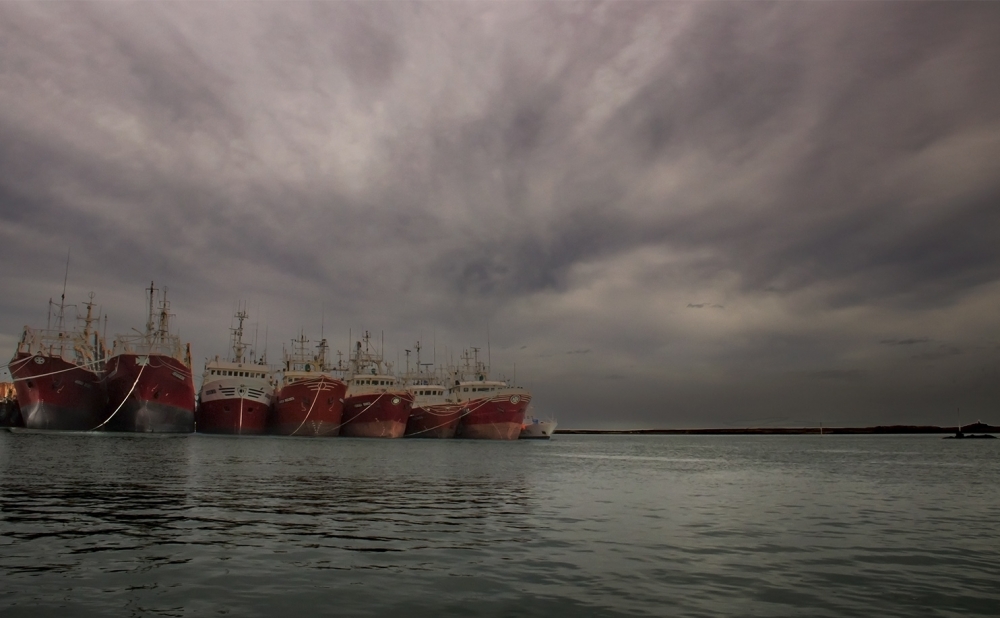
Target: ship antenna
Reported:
point(264, 358)
point(256, 331)
point(489, 358)
point(62, 299)
point(239, 349)
point(149, 322)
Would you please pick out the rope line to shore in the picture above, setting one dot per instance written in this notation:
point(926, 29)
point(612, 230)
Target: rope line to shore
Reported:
point(467, 412)
point(86, 366)
point(417, 433)
point(311, 406)
point(382, 394)
point(17, 362)
point(127, 395)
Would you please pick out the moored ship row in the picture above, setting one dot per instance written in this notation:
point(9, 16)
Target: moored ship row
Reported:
point(58, 373)
point(376, 405)
point(310, 398)
point(66, 378)
point(149, 379)
point(494, 409)
point(236, 393)
point(433, 414)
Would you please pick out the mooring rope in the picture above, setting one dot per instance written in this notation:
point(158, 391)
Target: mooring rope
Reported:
point(17, 362)
point(51, 373)
point(467, 412)
point(417, 433)
point(127, 395)
point(382, 394)
point(315, 399)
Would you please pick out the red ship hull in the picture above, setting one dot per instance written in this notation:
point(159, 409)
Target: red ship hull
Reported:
point(55, 394)
point(434, 420)
point(239, 416)
point(149, 394)
point(499, 418)
point(376, 415)
point(310, 407)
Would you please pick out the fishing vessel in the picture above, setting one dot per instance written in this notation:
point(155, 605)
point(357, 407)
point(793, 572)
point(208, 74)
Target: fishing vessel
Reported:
point(376, 404)
point(236, 393)
point(494, 409)
point(536, 429)
point(57, 373)
point(433, 413)
point(150, 388)
point(310, 398)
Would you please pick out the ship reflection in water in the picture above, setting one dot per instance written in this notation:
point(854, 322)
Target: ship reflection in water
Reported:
point(268, 525)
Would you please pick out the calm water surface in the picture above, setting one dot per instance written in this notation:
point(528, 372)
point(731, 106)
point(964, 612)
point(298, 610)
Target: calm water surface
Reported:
point(589, 526)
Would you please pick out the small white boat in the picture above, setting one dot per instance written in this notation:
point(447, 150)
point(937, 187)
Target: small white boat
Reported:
point(535, 429)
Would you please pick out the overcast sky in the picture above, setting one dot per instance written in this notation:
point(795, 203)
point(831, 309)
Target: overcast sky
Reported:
point(664, 214)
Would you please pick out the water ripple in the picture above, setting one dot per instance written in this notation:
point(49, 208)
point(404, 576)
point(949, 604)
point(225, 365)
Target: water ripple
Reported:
point(589, 525)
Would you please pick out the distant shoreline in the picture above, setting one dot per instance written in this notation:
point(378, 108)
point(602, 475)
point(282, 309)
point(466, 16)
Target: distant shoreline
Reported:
point(740, 431)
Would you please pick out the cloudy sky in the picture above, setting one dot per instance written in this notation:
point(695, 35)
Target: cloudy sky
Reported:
point(664, 214)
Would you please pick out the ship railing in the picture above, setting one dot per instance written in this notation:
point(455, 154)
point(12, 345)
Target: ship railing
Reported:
point(142, 344)
point(70, 346)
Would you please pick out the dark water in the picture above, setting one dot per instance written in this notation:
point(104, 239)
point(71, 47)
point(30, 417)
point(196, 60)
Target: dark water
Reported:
point(589, 526)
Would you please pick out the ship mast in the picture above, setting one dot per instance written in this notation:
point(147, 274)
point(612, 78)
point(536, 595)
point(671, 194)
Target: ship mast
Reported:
point(60, 323)
point(98, 352)
point(62, 299)
point(295, 358)
point(321, 355)
point(478, 365)
point(149, 320)
point(239, 348)
point(89, 318)
point(163, 325)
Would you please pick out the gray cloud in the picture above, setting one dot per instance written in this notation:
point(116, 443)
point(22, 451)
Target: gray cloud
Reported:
point(845, 375)
point(567, 175)
point(935, 355)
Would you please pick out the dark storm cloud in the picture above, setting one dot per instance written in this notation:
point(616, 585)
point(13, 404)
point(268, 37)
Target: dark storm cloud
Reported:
point(860, 103)
point(570, 175)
